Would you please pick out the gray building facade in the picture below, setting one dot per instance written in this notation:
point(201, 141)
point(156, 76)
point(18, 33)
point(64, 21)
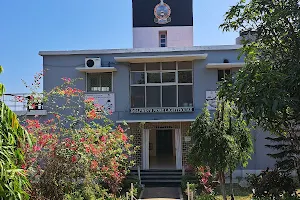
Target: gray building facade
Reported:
point(159, 86)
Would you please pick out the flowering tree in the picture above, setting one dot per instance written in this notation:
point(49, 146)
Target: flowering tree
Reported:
point(77, 152)
point(12, 137)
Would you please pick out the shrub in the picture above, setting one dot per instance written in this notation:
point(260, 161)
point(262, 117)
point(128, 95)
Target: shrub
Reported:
point(78, 152)
point(272, 185)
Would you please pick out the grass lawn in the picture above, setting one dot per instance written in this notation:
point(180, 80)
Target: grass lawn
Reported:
point(239, 192)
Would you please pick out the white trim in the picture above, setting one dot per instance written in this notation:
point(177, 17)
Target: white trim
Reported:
point(140, 50)
point(153, 120)
point(96, 70)
point(224, 65)
point(31, 112)
point(178, 147)
point(162, 58)
point(145, 145)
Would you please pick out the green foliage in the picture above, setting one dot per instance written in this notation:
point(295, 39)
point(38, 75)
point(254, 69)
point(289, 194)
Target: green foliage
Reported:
point(267, 88)
point(78, 152)
point(12, 136)
point(272, 185)
point(205, 197)
point(222, 142)
point(284, 152)
point(189, 178)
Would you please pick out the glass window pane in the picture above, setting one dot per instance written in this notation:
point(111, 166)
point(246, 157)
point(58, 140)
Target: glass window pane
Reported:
point(162, 36)
point(137, 78)
point(162, 40)
point(153, 96)
point(138, 97)
point(168, 77)
point(227, 72)
point(169, 65)
point(185, 65)
point(93, 81)
point(185, 96)
point(153, 77)
point(162, 45)
point(220, 75)
point(169, 96)
point(153, 66)
point(185, 76)
point(106, 80)
point(137, 66)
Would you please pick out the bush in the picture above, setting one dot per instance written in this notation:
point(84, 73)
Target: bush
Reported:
point(272, 185)
point(190, 178)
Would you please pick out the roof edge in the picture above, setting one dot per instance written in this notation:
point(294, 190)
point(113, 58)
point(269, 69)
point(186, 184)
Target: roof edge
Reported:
point(139, 50)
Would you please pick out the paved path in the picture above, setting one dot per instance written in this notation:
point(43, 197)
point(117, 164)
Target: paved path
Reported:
point(163, 193)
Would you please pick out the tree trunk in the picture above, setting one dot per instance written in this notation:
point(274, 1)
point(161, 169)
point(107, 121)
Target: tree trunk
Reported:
point(231, 184)
point(222, 185)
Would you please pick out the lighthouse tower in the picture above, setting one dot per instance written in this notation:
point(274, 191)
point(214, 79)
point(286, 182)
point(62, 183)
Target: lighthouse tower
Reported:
point(162, 23)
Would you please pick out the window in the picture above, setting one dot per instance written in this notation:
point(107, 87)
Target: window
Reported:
point(99, 82)
point(168, 84)
point(223, 73)
point(163, 39)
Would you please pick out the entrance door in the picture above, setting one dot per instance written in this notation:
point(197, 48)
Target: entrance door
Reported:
point(164, 143)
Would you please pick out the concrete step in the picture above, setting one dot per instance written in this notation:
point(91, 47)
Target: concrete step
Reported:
point(161, 181)
point(160, 177)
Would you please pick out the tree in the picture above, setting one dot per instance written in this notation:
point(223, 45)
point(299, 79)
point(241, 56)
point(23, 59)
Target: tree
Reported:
point(222, 143)
point(285, 152)
point(12, 136)
point(267, 88)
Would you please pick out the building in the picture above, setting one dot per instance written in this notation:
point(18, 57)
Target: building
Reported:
point(159, 86)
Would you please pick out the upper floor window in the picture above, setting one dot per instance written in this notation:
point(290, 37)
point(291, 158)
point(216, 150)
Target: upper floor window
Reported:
point(99, 82)
point(168, 84)
point(223, 73)
point(163, 39)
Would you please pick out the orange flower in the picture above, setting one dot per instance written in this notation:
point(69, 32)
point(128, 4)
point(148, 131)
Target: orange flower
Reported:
point(94, 164)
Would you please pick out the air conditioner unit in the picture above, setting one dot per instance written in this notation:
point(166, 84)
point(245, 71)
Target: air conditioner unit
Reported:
point(93, 62)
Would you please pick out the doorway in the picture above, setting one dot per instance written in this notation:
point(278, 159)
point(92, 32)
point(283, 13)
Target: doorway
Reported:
point(162, 149)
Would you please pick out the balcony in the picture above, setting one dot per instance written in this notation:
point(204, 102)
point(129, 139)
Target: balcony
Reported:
point(19, 103)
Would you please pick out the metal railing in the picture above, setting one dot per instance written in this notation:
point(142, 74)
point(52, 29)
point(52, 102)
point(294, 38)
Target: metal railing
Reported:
point(23, 101)
point(130, 194)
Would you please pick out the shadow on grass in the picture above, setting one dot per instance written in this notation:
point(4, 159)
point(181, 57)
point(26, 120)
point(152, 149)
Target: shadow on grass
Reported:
point(239, 192)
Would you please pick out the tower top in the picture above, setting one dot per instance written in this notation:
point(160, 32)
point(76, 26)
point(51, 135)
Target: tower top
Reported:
point(162, 23)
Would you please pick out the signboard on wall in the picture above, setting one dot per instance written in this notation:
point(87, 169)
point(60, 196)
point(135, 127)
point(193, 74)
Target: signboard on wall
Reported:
point(107, 100)
point(162, 110)
point(211, 100)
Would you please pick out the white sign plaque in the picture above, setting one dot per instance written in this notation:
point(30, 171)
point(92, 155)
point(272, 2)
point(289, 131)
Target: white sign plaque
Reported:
point(211, 100)
point(162, 110)
point(107, 100)
point(187, 138)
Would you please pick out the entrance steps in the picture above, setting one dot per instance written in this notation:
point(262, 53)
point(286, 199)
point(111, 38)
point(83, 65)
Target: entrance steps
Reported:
point(160, 177)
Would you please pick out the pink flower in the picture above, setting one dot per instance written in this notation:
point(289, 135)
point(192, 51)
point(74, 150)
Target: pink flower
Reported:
point(36, 148)
point(94, 164)
point(74, 159)
point(204, 180)
point(207, 174)
point(124, 137)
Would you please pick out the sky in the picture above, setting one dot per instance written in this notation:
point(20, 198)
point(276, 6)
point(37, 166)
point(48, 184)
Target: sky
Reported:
point(27, 27)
